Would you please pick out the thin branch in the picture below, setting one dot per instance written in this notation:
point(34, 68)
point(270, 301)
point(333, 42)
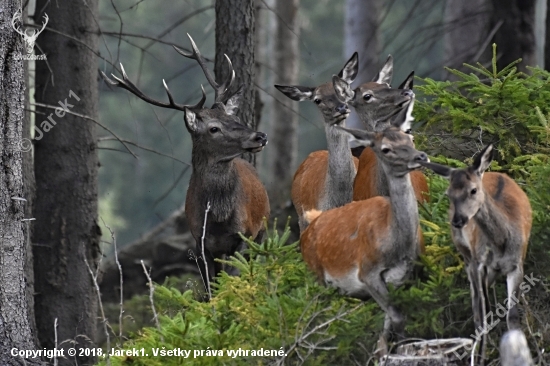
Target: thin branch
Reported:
point(103, 318)
point(206, 275)
point(169, 190)
point(151, 292)
point(143, 148)
point(88, 118)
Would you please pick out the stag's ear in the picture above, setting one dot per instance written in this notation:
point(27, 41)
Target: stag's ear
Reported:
point(386, 72)
point(295, 92)
point(483, 160)
point(408, 83)
point(362, 137)
point(190, 119)
point(342, 89)
point(403, 120)
point(350, 70)
point(438, 169)
point(232, 104)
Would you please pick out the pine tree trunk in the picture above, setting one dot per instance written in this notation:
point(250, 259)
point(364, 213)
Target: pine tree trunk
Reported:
point(362, 34)
point(283, 152)
point(15, 327)
point(466, 30)
point(516, 38)
point(235, 37)
point(66, 233)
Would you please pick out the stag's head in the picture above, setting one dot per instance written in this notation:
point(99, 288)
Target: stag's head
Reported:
point(217, 133)
point(29, 39)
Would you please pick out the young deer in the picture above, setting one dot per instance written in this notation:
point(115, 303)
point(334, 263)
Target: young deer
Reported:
point(376, 103)
point(490, 225)
point(325, 179)
point(222, 181)
point(361, 247)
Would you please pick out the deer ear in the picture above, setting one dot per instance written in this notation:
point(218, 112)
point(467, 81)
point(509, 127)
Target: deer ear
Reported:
point(386, 72)
point(408, 83)
point(190, 119)
point(350, 70)
point(232, 104)
point(364, 138)
point(441, 170)
point(297, 93)
point(483, 160)
point(342, 89)
point(403, 119)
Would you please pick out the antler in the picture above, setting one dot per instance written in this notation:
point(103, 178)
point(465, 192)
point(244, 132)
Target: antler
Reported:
point(17, 16)
point(46, 18)
point(125, 83)
point(219, 89)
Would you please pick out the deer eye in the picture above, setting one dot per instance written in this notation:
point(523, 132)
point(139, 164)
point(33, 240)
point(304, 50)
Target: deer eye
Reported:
point(367, 97)
point(317, 101)
point(385, 150)
point(473, 191)
point(214, 129)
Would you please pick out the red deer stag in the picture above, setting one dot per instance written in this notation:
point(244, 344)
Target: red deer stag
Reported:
point(490, 225)
point(325, 179)
point(376, 103)
point(363, 246)
point(222, 181)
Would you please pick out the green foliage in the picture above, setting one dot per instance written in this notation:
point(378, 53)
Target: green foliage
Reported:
point(277, 304)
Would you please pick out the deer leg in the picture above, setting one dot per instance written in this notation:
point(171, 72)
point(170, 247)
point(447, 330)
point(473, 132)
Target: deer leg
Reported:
point(478, 308)
point(393, 319)
point(513, 281)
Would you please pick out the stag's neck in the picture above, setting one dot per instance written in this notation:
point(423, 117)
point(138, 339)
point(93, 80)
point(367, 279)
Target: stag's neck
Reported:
point(341, 169)
point(216, 183)
point(405, 221)
point(492, 222)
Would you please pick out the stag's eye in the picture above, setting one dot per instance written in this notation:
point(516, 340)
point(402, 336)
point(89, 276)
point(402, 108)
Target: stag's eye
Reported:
point(317, 101)
point(214, 129)
point(473, 191)
point(367, 97)
point(385, 150)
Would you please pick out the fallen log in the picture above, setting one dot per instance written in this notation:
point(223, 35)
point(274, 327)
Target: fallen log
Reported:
point(434, 352)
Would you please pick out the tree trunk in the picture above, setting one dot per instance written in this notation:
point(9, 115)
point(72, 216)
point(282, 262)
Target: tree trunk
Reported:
point(516, 37)
point(235, 37)
point(15, 327)
point(466, 33)
point(362, 34)
point(283, 152)
point(66, 232)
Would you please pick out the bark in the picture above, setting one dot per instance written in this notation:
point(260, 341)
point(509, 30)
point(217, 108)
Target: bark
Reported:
point(235, 37)
point(362, 34)
point(66, 231)
point(466, 33)
point(516, 37)
point(15, 327)
point(283, 153)
point(28, 193)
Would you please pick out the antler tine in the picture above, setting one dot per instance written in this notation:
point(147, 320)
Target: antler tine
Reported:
point(227, 84)
point(196, 55)
point(125, 83)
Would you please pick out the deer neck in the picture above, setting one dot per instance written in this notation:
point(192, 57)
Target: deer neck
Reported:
point(381, 180)
point(404, 219)
point(492, 222)
point(216, 183)
point(341, 169)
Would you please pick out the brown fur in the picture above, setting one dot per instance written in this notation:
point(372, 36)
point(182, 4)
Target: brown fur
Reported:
point(309, 181)
point(513, 203)
point(360, 225)
point(256, 202)
point(365, 181)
